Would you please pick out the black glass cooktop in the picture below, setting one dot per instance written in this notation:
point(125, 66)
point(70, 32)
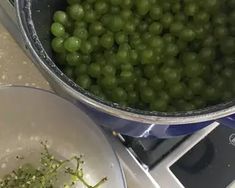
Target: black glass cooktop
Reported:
point(211, 163)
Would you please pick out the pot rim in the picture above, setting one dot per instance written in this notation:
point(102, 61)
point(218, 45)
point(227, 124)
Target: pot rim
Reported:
point(46, 64)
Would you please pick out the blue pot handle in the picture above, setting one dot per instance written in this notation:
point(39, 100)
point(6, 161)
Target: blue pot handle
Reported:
point(228, 121)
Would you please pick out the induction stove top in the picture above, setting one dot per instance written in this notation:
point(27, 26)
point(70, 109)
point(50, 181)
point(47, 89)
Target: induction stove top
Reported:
point(204, 159)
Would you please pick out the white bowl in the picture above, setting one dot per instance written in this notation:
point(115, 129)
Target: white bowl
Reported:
point(28, 116)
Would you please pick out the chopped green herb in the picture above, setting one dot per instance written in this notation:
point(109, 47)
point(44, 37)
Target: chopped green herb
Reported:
point(47, 173)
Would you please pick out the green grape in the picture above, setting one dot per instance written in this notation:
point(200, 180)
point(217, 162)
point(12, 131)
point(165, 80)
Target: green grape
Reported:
point(156, 42)
point(132, 98)
point(108, 70)
point(116, 2)
point(176, 28)
point(149, 71)
point(126, 14)
point(126, 76)
point(76, 12)
point(210, 94)
point(81, 33)
point(170, 75)
point(127, 4)
point(96, 90)
point(107, 40)
point(177, 90)
point(122, 56)
point(201, 17)
point(86, 47)
point(220, 19)
point(72, 44)
point(193, 69)
point(156, 82)
point(109, 82)
point(73, 59)
point(197, 85)
point(69, 72)
point(187, 35)
point(94, 40)
point(121, 38)
point(191, 9)
point(94, 70)
point(119, 94)
point(84, 81)
point(96, 28)
point(57, 45)
point(228, 45)
point(221, 32)
point(147, 94)
point(116, 23)
point(60, 17)
point(167, 20)
point(90, 16)
point(147, 56)
point(159, 105)
point(155, 28)
point(80, 24)
point(171, 50)
point(143, 7)
point(101, 7)
point(129, 27)
point(175, 7)
point(57, 29)
point(81, 69)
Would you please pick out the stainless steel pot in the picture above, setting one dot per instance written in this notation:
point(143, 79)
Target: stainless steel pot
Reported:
point(28, 116)
point(34, 21)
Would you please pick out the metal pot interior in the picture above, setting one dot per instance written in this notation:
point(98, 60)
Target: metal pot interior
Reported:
point(40, 14)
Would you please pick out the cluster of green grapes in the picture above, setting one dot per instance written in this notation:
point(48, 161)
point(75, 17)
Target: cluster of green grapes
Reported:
point(157, 55)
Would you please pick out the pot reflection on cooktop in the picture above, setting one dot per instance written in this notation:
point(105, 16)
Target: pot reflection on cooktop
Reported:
point(150, 151)
point(211, 163)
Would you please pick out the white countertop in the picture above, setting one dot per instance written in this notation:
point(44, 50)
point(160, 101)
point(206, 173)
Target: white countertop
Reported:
point(15, 67)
